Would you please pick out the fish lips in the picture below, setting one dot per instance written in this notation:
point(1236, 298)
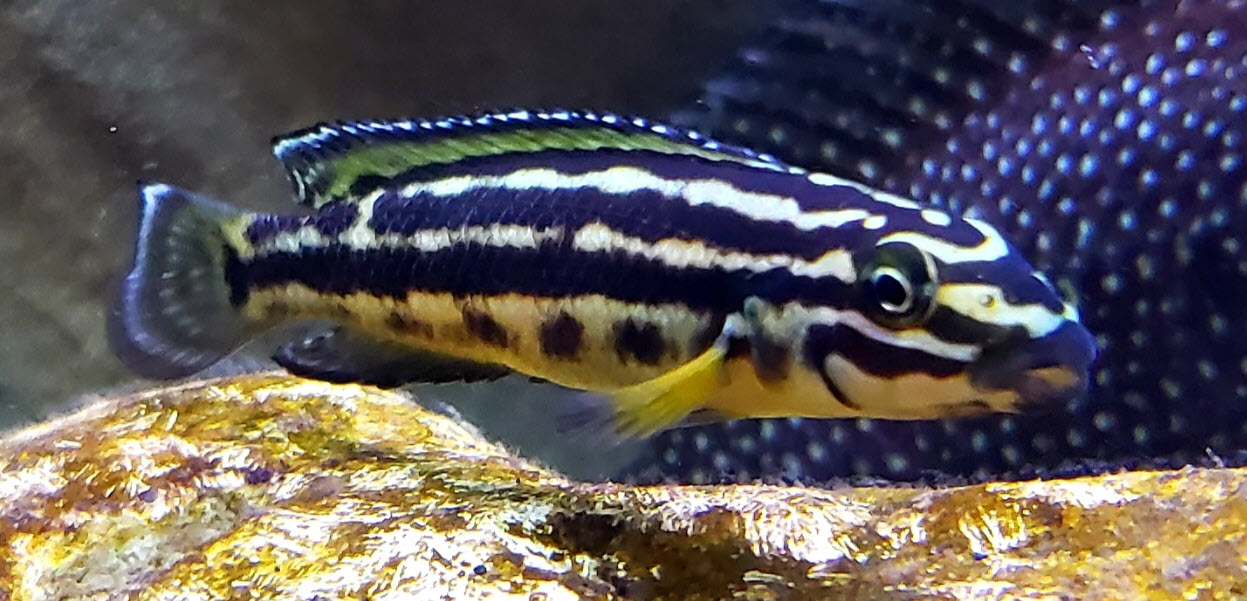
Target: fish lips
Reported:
point(1042, 371)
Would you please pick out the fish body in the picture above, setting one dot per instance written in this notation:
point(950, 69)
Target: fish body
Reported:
point(670, 273)
point(1105, 138)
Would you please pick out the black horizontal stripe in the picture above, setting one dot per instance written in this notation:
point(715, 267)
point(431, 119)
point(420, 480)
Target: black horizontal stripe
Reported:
point(957, 232)
point(1011, 273)
point(552, 270)
point(644, 214)
point(872, 356)
point(264, 228)
point(335, 217)
point(661, 164)
point(951, 326)
point(331, 220)
point(809, 197)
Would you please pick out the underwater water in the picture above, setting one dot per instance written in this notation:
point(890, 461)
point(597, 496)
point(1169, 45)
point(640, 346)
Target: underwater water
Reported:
point(1103, 138)
point(99, 95)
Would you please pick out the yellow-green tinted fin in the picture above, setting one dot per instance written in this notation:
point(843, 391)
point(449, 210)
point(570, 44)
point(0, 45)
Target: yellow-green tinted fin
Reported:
point(341, 355)
point(664, 402)
point(348, 160)
point(702, 417)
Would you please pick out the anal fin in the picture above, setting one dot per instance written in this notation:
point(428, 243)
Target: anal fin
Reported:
point(341, 355)
point(646, 408)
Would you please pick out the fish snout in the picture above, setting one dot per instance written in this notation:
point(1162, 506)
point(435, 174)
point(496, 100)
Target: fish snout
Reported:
point(1048, 370)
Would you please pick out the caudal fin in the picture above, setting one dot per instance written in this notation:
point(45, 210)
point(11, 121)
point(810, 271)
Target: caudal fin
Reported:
point(174, 316)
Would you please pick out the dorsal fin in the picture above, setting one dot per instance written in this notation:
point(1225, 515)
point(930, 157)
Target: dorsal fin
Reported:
point(346, 160)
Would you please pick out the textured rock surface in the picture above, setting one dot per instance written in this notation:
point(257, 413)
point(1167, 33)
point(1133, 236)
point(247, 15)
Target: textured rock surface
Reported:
point(98, 94)
point(264, 487)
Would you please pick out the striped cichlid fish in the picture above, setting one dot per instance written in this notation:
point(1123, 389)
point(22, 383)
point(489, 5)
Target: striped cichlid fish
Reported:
point(1106, 138)
point(676, 277)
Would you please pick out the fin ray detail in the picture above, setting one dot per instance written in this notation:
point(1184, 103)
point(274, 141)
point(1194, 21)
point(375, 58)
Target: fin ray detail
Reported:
point(175, 313)
point(345, 160)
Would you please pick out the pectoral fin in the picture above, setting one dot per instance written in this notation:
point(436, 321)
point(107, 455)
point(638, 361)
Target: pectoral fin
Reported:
point(646, 408)
point(770, 356)
point(340, 355)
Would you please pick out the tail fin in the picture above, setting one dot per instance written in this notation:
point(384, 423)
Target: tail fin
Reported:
point(175, 314)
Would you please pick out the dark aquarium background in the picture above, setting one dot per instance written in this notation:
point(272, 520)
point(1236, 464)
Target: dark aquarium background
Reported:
point(1104, 137)
point(97, 95)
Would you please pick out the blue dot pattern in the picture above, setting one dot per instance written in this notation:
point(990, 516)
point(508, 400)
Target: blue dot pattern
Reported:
point(1104, 138)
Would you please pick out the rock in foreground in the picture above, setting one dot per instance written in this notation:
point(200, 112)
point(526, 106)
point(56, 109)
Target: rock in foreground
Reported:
point(266, 487)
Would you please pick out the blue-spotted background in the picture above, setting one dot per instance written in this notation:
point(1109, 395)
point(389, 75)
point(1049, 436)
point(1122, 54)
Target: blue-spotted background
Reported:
point(1105, 137)
point(1106, 140)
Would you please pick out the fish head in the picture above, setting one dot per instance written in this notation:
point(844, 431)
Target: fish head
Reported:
point(944, 325)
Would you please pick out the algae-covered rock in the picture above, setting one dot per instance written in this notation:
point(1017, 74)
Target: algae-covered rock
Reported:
point(266, 487)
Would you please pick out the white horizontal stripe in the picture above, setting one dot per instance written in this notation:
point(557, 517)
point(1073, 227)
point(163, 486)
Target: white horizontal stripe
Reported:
point(627, 179)
point(993, 246)
point(913, 395)
point(935, 217)
point(915, 338)
point(296, 240)
point(824, 179)
point(361, 236)
point(985, 303)
point(513, 236)
point(597, 237)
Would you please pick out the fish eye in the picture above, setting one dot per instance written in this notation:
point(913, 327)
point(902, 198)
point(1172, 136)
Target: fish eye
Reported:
point(892, 290)
point(898, 284)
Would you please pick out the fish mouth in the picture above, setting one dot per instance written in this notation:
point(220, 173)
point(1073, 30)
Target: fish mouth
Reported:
point(1041, 371)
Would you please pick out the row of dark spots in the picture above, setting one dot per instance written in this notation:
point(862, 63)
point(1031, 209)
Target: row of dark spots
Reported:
point(642, 342)
point(562, 335)
point(405, 324)
point(485, 327)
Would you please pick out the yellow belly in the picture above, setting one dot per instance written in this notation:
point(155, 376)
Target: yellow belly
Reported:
point(437, 322)
point(800, 393)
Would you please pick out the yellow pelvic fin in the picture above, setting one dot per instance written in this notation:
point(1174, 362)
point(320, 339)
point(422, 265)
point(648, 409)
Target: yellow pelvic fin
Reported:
point(644, 409)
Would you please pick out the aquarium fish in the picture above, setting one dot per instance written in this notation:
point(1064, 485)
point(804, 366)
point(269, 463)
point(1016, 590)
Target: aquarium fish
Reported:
point(665, 272)
point(1106, 139)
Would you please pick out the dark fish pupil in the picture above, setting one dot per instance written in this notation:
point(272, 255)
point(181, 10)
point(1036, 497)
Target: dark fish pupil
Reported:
point(891, 292)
